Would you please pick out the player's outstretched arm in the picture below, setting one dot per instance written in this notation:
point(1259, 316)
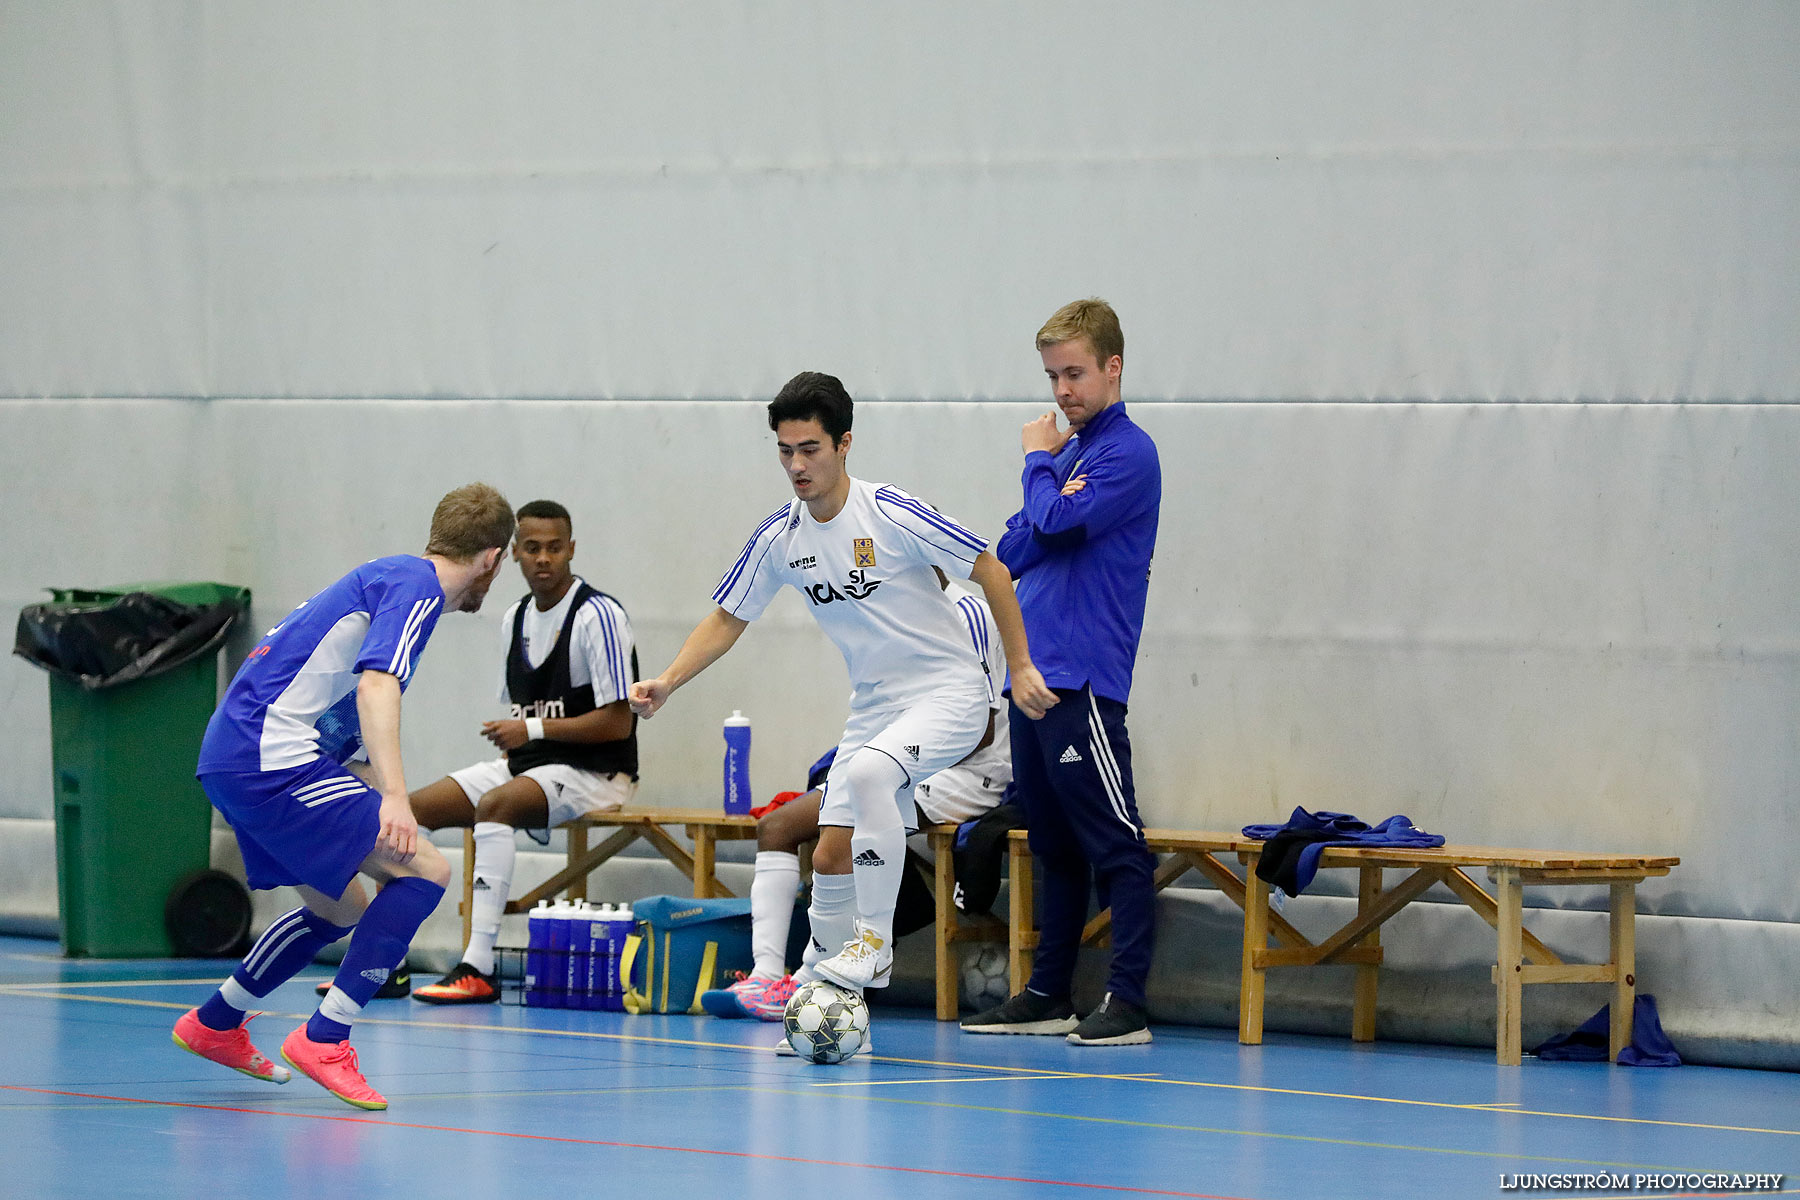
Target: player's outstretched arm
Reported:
point(716, 633)
point(608, 723)
point(378, 711)
point(1029, 691)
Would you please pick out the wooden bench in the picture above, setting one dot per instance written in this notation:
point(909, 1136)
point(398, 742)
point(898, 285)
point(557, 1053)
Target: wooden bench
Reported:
point(1520, 958)
point(1187, 851)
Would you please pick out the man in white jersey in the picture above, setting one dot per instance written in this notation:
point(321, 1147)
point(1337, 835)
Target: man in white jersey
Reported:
point(569, 745)
point(956, 794)
point(862, 556)
point(323, 688)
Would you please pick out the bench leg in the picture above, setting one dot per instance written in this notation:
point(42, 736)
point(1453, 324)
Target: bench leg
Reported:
point(1624, 964)
point(706, 881)
point(943, 872)
point(1251, 979)
point(1368, 975)
point(1509, 983)
point(1021, 919)
point(468, 891)
point(578, 848)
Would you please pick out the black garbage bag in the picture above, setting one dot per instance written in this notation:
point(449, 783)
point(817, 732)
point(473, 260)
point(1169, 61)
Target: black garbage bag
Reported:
point(134, 636)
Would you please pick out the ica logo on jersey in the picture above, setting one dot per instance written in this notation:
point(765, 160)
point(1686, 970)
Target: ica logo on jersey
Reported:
point(860, 587)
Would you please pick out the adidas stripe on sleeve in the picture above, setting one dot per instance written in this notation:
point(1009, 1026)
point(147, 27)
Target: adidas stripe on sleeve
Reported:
point(939, 540)
point(605, 647)
point(755, 577)
point(401, 621)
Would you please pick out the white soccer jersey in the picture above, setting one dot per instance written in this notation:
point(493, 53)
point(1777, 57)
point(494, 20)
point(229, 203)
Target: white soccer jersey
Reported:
point(992, 762)
point(867, 576)
point(601, 650)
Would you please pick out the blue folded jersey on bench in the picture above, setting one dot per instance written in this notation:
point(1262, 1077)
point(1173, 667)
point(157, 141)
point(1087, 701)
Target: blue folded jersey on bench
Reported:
point(1291, 859)
point(1649, 1046)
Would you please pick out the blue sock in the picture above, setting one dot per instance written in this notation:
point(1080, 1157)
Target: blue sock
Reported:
point(285, 947)
point(380, 941)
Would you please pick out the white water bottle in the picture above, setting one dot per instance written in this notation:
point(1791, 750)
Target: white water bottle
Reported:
point(737, 763)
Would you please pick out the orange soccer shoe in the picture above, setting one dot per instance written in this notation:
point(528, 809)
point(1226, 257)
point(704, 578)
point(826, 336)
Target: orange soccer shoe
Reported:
point(331, 1065)
point(227, 1047)
point(464, 985)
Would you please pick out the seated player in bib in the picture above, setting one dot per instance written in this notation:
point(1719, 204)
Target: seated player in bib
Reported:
point(862, 554)
point(956, 794)
point(322, 688)
point(569, 746)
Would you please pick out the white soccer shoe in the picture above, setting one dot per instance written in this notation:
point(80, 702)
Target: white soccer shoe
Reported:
point(865, 962)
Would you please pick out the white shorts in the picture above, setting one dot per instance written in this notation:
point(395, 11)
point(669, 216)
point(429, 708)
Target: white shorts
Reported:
point(570, 791)
point(937, 732)
point(958, 794)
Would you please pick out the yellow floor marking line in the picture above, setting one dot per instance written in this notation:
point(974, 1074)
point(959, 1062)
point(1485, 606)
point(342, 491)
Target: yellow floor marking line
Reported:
point(957, 1079)
point(213, 980)
point(1006, 1072)
point(1254, 1133)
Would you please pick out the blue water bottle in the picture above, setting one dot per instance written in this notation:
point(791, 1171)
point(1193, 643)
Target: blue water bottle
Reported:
point(537, 942)
point(618, 925)
point(594, 965)
point(575, 973)
point(737, 763)
point(557, 959)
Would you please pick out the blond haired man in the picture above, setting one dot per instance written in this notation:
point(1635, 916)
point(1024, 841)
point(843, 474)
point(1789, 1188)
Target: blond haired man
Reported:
point(323, 688)
point(1080, 549)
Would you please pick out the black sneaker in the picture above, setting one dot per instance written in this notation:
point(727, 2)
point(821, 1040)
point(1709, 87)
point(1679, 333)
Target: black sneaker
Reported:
point(1026, 1012)
point(397, 987)
point(1115, 1023)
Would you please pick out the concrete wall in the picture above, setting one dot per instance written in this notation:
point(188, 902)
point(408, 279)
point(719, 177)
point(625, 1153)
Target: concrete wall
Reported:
point(1465, 331)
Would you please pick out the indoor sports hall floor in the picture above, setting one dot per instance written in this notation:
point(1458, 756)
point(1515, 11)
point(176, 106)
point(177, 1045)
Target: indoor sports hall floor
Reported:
point(505, 1101)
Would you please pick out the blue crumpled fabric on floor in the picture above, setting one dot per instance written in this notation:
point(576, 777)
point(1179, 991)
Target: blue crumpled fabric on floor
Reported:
point(1650, 1046)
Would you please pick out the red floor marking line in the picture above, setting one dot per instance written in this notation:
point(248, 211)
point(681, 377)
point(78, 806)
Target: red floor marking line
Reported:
point(544, 1137)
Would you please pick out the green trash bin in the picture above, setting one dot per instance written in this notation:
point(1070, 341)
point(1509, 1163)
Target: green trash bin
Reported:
point(132, 822)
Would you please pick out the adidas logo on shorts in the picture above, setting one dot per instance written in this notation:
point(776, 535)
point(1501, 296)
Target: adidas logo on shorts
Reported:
point(868, 858)
point(1069, 756)
point(912, 752)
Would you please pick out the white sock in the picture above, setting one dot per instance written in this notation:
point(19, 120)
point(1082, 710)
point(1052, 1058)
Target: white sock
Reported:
point(833, 917)
point(236, 995)
point(772, 894)
point(878, 883)
point(495, 852)
point(878, 843)
point(338, 1007)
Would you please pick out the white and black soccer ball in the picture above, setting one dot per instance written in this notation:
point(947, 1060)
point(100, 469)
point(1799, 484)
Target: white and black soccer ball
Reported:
point(825, 1023)
point(984, 980)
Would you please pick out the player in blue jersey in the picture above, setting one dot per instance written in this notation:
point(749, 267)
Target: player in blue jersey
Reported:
point(320, 690)
point(1080, 549)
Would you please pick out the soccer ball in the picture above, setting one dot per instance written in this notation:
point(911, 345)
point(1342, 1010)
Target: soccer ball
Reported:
point(825, 1023)
point(984, 981)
